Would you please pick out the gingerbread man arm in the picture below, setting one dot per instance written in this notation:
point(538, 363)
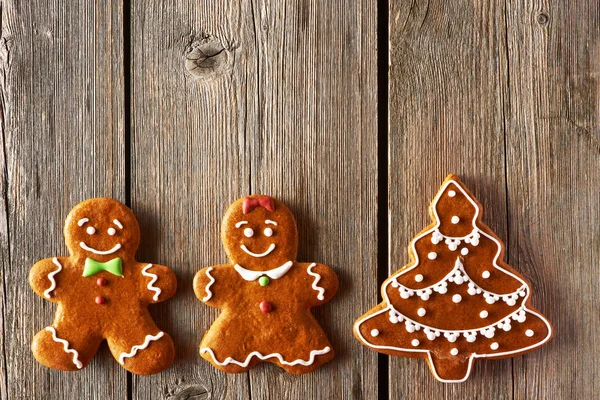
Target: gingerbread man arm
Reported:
point(44, 277)
point(158, 283)
point(209, 285)
point(323, 283)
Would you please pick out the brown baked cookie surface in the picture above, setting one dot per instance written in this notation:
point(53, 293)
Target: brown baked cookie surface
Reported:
point(456, 300)
point(102, 292)
point(265, 295)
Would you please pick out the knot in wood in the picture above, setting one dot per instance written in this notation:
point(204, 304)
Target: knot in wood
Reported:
point(207, 58)
point(543, 18)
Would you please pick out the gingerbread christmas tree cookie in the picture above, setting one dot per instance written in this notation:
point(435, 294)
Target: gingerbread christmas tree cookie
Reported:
point(265, 294)
point(457, 300)
point(102, 292)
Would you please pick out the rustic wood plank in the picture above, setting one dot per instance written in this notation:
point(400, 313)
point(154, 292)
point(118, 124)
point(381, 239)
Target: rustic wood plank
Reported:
point(193, 97)
point(553, 168)
point(314, 146)
point(448, 83)
point(61, 103)
point(289, 103)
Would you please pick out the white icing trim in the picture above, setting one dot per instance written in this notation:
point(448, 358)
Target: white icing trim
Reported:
point(274, 273)
point(65, 344)
point(134, 349)
point(208, 285)
point(268, 221)
point(255, 255)
point(51, 278)
point(321, 291)
point(154, 279)
point(88, 248)
point(458, 276)
point(117, 223)
point(416, 263)
point(237, 225)
point(230, 360)
point(82, 221)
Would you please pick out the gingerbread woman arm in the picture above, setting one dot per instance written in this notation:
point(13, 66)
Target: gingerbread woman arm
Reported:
point(209, 285)
point(323, 284)
point(159, 283)
point(43, 277)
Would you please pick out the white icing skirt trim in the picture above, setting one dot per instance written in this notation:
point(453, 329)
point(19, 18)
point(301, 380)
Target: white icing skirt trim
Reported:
point(65, 347)
point(134, 349)
point(230, 360)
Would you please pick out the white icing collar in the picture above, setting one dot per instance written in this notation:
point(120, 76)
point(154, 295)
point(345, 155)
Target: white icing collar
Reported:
point(274, 273)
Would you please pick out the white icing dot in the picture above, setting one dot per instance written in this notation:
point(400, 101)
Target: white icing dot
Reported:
point(494, 346)
point(415, 342)
point(248, 232)
point(421, 312)
point(457, 298)
point(452, 193)
point(483, 314)
point(90, 230)
point(374, 332)
point(419, 278)
point(455, 220)
point(268, 232)
point(485, 275)
point(432, 255)
point(454, 351)
point(464, 251)
point(529, 333)
point(111, 231)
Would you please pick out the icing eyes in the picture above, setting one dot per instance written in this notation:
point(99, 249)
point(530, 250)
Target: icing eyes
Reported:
point(111, 231)
point(90, 230)
point(268, 232)
point(248, 232)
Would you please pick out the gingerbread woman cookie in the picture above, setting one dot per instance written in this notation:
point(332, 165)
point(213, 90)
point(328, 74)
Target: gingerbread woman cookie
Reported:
point(265, 295)
point(102, 292)
point(457, 300)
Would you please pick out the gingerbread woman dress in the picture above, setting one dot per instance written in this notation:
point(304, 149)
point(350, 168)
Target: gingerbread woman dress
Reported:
point(102, 292)
point(265, 295)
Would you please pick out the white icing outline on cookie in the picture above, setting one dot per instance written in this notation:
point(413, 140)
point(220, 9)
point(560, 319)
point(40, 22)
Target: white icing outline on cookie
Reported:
point(230, 360)
point(88, 248)
point(403, 271)
point(65, 344)
point(154, 279)
point(134, 349)
point(321, 295)
point(51, 278)
point(208, 285)
point(256, 255)
point(274, 273)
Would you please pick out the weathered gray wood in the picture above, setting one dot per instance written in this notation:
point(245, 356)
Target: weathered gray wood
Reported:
point(189, 162)
point(287, 108)
point(61, 103)
point(313, 144)
point(448, 85)
point(553, 169)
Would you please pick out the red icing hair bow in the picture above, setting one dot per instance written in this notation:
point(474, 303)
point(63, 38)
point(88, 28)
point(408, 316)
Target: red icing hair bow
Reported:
point(250, 204)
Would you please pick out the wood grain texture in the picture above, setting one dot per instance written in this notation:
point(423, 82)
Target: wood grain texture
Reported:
point(61, 104)
point(553, 168)
point(232, 98)
point(447, 93)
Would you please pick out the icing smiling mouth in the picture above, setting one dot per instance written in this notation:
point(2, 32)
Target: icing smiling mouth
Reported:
point(88, 248)
point(269, 250)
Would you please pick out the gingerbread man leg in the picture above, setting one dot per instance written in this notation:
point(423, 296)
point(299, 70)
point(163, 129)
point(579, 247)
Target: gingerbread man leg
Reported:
point(141, 347)
point(68, 344)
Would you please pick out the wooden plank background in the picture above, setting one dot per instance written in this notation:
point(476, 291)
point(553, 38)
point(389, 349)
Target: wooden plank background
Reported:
point(180, 108)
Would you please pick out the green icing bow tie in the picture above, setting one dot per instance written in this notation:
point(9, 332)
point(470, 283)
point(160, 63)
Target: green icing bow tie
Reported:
point(92, 267)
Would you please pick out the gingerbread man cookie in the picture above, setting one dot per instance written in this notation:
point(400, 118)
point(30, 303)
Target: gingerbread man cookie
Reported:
point(265, 295)
point(102, 292)
point(457, 300)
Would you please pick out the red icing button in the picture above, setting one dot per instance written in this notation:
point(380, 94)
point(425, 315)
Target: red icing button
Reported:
point(101, 282)
point(265, 306)
point(99, 300)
